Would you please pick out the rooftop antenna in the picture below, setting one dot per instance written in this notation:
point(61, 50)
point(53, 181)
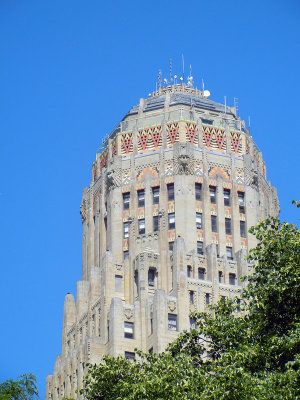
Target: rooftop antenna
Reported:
point(225, 104)
point(202, 85)
point(182, 67)
point(249, 122)
point(159, 79)
point(170, 69)
point(236, 104)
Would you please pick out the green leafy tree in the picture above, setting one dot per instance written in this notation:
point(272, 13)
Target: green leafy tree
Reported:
point(240, 351)
point(22, 389)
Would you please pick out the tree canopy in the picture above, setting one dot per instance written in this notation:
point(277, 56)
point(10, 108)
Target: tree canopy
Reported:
point(245, 349)
point(22, 389)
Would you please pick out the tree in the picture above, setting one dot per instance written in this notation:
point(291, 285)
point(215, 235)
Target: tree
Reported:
point(251, 348)
point(22, 389)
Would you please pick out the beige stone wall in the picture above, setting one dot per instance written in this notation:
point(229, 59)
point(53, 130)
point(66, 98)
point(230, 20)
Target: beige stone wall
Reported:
point(177, 145)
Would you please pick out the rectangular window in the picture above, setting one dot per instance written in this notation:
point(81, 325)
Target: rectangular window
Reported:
point(141, 226)
point(128, 330)
point(214, 227)
point(226, 197)
point(220, 277)
point(192, 297)
point(189, 271)
point(151, 276)
point(232, 279)
point(118, 283)
point(172, 322)
point(212, 194)
point(207, 298)
point(126, 229)
point(243, 229)
point(192, 323)
point(155, 223)
point(126, 201)
point(201, 273)
point(129, 355)
point(171, 220)
point(155, 193)
point(241, 198)
point(171, 246)
point(229, 253)
point(198, 220)
point(200, 248)
point(141, 198)
point(198, 191)
point(228, 226)
point(170, 188)
point(126, 254)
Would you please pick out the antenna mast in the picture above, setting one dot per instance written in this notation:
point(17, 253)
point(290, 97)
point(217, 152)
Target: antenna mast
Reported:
point(183, 67)
point(236, 104)
point(170, 69)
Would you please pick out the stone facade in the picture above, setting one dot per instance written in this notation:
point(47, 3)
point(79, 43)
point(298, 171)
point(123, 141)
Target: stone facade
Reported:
point(174, 190)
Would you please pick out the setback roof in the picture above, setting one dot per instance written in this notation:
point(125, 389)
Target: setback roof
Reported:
point(179, 98)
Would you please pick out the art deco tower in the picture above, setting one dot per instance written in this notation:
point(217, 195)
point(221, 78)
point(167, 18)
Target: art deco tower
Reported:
point(174, 190)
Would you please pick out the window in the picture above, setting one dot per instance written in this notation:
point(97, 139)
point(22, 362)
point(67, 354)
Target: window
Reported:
point(170, 188)
point(201, 273)
point(171, 246)
point(126, 254)
point(232, 279)
point(241, 198)
point(207, 298)
point(198, 191)
point(155, 193)
point(228, 226)
point(151, 323)
point(150, 350)
point(151, 276)
point(229, 253)
point(214, 227)
point(243, 229)
point(128, 330)
point(212, 193)
point(189, 271)
point(207, 121)
point(200, 248)
point(126, 229)
point(192, 324)
point(226, 197)
point(118, 283)
point(171, 221)
point(220, 277)
point(141, 226)
point(192, 297)
point(172, 322)
point(129, 355)
point(155, 223)
point(141, 198)
point(198, 220)
point(126, 201)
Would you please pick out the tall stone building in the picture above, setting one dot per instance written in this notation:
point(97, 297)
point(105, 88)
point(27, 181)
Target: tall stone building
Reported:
point(174, 189)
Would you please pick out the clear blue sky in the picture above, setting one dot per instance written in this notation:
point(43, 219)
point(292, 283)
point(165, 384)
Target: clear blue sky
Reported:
point(69, 71)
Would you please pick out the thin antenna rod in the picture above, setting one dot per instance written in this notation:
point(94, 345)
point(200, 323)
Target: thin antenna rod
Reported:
point(249, 122)
point(203, 85)
point(170, 69)
point(225, 103)
point(183, 67)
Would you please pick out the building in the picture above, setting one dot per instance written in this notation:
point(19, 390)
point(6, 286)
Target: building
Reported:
point(174, 189)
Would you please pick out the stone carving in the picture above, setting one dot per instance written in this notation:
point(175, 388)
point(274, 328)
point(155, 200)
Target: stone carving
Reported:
point(83, 212)
point(128, 313)
point(172, 305)
point(183, 159)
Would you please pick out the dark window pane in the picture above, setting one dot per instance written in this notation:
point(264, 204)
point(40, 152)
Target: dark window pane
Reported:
point(198, 191)
point(201, 273)
point(232, 279)
point(141, 198)
point(128, 330)
point(200, 248)
point(155, 192)
point(243, 228)
point(170, 188)
point(226, 197)
point(171, 217)
point(189, 271)
point(198, 220)
point(228, 226)
point(172, 322)
point(126, 201)
point(151, 276)
point(155, 223)
point(214, 227)
point(212, 193)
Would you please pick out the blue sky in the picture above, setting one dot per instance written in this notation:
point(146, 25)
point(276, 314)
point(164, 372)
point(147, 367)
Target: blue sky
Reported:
point(69, 71)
